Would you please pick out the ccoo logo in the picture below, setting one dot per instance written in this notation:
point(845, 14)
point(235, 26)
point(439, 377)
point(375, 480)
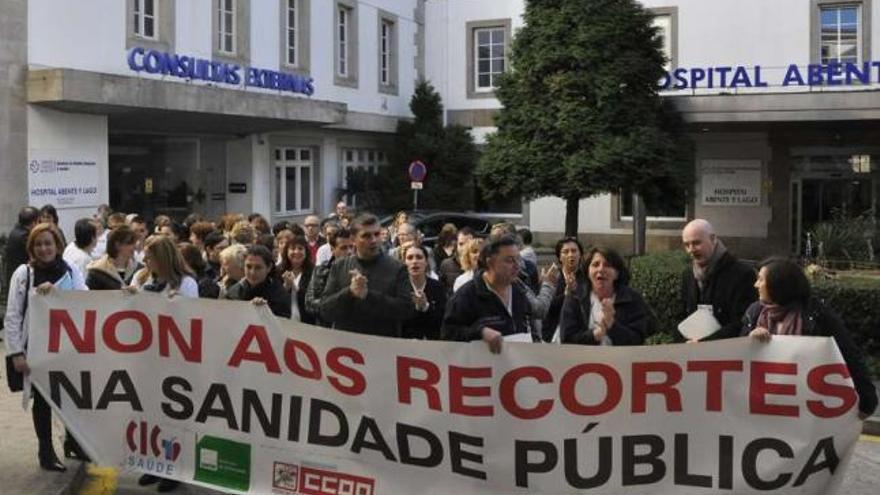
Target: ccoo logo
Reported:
point(141, 438)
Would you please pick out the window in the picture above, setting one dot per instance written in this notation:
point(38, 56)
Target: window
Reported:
point(360, 159)
point(293, 14)
point(385, 43)
point(840, 36)
point(489, 56)
point(342, 36)
point(670, 207)
point(145, 19)
point(293, 180)
point(663, 23)
point(226, 26)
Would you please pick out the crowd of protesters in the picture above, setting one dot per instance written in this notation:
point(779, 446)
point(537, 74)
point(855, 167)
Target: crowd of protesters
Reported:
point(351, 273)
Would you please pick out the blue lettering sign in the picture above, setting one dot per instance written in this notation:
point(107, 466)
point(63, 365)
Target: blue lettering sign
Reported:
point(831, 74)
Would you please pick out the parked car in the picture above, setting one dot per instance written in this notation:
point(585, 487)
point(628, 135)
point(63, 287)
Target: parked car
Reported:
point(430, 223)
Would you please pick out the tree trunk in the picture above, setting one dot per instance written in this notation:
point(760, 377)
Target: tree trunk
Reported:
point(639, 225)
point(571, 216)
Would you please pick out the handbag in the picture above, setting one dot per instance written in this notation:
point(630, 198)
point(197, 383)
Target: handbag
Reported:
point(15, 379)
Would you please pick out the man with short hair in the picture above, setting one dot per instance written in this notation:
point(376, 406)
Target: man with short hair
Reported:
point(450, 268)
point(717, 278)
point(368, 292)
point(325, 251)
point(341, 243)
point(139, 226)
point(16, 243)
point(312, 227)
point(491, 306)
point(528, 272)
point(79, 252)
point(407, 232)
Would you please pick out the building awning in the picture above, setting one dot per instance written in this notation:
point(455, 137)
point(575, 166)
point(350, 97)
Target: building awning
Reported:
point(154, 105)
point(818, 106)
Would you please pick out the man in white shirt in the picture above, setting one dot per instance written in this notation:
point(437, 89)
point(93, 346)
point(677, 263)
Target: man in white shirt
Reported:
point(79, 252)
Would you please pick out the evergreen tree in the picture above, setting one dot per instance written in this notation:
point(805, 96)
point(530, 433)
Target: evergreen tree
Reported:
point(448, 152)
point(581, 114)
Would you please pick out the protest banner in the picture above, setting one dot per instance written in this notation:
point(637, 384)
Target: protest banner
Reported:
point(224, 395)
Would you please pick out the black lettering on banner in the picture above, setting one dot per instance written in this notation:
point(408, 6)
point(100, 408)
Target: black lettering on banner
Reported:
point(186, 405)
point(750, 463)
point(225, 411)
point(457, 455)
point(603, 471)
point(522, 449)
point(295, 419)
point(682, 476)
point(251, 404)
point(317, 408)
point(378, 443)
point(119, 377)
point(652, 457)
point(826, 447)
point(82, 399)
point(435, 446)
point(725, 462)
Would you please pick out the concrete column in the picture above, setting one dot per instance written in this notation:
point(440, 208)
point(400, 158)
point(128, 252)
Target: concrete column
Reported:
point(330, 174)
point(13, 117)
point(261, 174)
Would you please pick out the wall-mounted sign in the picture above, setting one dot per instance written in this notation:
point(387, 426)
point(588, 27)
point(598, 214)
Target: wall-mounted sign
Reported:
point(63, 179)
point(733, 77)
point(238, 187)
point(186, 67)
point(731, 182)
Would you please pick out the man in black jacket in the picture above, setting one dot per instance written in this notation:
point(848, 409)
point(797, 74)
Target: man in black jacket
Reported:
point(16, 243)
point(368, 292)
point(340, 242)
point(715, 278)
point(491, 306)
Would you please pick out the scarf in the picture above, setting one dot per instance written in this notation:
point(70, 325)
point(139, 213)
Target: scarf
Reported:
point(703, 273)
point(49, 273)
point(780, 320)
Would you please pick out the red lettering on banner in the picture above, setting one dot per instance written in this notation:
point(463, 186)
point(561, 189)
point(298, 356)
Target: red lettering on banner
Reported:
point(760, 388)
point(846, 394)
point(641, 388)
point(264, 354)
point(358, 382)
point(83, 341)
point(613, 389)
point(508, 392)
point(714, 379)
point(112, 323)
point(191, 352)
point(458, 391)
point(290, 358)
point(406, 382)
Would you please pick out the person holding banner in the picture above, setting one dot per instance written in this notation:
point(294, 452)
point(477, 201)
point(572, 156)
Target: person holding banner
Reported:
point(165, 270)
point(296, 271)
point(491, 307)
point(604, 311)
point(786, 307)
point(117, 267)
point(46, 271)
point(260, 284)
point(429, 296)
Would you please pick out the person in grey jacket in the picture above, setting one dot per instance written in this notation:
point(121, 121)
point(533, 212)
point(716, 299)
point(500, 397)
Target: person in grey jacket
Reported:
point(368, 292)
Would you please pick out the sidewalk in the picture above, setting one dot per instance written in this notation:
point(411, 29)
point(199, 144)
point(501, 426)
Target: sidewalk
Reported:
point(19, 469)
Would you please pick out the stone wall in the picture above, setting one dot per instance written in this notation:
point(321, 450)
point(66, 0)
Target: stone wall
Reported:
point(13, 111)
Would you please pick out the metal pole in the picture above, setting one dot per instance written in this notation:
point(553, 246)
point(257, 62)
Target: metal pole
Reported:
point(415, 199)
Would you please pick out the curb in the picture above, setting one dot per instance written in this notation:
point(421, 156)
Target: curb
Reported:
point(76, 481)
point(871, 426)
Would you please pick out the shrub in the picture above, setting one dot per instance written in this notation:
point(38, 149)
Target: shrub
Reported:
point(856, 301)
point(658, 277)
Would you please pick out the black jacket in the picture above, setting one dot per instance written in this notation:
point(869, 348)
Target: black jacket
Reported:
point(387, 305)
point(730, 290)
point(272, 290)
point(475, 306)
point(820, 321)
point(316, 289)
point(426, 325)
point(449, 270)
point(16, 251)
point(631, 317)
point(554, 312)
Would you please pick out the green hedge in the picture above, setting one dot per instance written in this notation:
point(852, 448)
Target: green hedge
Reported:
point(658, 277)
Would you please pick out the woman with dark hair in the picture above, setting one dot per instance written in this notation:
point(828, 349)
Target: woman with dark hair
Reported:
point(260, 285)
point(429, 296)
point(785, 307)
point(604, 310)
point(296, 272)
point(192, 255)
point(46, 271)
point(446, 240)
point(48, 214)
point(117, 267)
point(569, 256)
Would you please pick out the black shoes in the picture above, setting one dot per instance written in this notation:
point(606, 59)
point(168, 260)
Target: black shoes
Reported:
point(50, 462)
point(165, 485)
point(72, 450)
point(148, 479)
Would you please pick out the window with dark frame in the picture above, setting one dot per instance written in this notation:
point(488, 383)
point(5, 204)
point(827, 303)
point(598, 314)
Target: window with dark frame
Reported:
point(293, 180)
point(385, 43)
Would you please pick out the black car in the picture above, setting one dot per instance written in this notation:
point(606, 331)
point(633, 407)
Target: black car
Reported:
point(430, 223)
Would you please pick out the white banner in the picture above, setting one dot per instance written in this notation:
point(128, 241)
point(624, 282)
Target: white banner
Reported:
point(63, 179)
point(224, 395)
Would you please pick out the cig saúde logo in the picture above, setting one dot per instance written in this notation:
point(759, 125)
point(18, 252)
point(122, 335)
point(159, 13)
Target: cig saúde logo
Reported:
point(143, 439)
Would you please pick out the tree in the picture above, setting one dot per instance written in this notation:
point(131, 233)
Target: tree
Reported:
point(581, 114)
point(449, 153)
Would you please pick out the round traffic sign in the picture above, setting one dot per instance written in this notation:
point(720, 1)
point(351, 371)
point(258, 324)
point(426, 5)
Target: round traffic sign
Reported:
point(417, 171)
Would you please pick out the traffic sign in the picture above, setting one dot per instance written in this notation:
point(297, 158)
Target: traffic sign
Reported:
point(417, 185)
point(417, 171)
